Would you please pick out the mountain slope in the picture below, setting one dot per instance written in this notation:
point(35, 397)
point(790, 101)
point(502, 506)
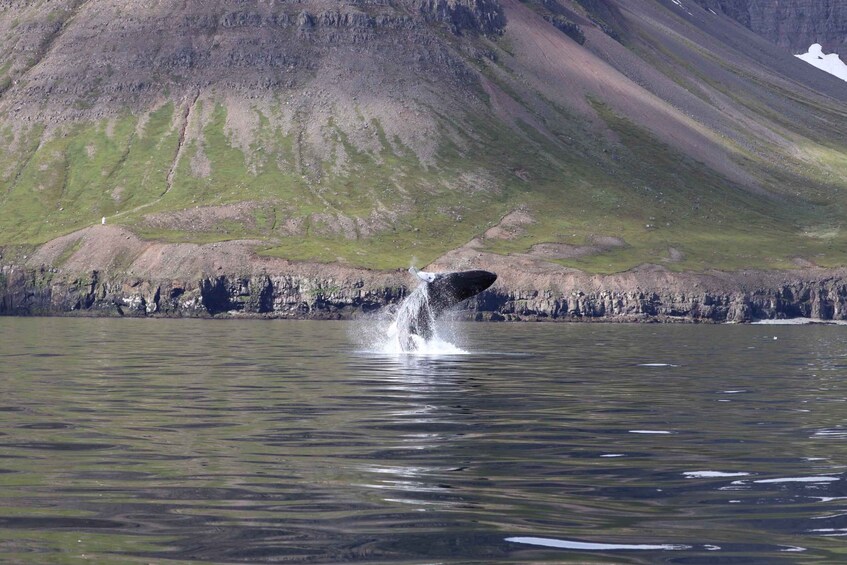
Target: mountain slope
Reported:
point(595, 134)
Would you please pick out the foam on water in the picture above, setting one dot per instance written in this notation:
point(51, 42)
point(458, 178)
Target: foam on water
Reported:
point(434, 346)
point(712, 474)
point(590, 546)
point(799, 322)
point(380, 337)
point(819, 479)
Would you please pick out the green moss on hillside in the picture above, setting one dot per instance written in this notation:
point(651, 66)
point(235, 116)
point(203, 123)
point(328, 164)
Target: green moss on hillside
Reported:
point(382, 209)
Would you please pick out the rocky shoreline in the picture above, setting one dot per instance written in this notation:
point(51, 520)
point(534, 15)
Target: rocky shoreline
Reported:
point(43, 292)
point(108, 271)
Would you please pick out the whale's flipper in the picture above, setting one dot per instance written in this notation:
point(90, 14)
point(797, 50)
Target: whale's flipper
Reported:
point(439, 292)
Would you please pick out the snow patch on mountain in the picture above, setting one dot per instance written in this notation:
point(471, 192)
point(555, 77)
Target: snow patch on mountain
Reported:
point(831, 63)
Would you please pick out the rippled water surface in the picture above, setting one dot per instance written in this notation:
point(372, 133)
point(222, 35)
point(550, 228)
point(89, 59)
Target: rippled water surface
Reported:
point(268, 441)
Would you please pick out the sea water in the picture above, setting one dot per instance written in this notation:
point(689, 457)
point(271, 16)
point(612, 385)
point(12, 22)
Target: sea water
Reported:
point(266, 441)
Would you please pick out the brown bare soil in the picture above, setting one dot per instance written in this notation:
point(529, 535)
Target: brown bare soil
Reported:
point(205, 218)
point(511, 226)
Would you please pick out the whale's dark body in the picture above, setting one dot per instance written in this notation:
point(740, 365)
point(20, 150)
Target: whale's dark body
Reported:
point(449, 289)
point(442, 291)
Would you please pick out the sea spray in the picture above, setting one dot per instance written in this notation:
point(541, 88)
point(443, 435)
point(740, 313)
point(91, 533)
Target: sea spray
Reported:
point(415, 319)
point(415, 327)
point(399, 331)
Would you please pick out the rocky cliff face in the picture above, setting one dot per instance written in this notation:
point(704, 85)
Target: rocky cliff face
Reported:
point(657, 297)
point(793, 24)
point(822, 298)
point(85, 59)
point(40, 292)
point(79, 276)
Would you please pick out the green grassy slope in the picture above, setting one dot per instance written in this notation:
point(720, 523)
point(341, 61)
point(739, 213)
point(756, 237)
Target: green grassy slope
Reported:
point(643, 191)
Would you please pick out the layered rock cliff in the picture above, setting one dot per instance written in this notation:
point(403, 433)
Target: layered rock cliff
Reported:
point(793, 24)
point(78, 277)
point(646, 297)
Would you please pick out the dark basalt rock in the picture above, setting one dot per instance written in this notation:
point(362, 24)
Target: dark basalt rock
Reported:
point(42, 292)
point(481, 16)
point(567, 27)
point(793, 24)
point(228, 45)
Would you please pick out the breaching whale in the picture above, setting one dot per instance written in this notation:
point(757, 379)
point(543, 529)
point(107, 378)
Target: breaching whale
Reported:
point(437, 293)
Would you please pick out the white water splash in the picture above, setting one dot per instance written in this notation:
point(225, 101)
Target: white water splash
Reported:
point(414, 318)
point(401, 335)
